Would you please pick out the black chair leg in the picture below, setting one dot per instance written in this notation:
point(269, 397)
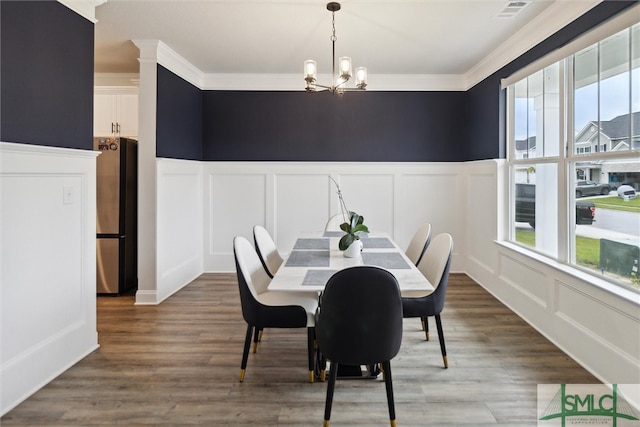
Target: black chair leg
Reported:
point(311, 338)
point(245, 353)
point(256, 338)
point(425, 326)
point(441, 338)
point(333, 373)
point(386, 368)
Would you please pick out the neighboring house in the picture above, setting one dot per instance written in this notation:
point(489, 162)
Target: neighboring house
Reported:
point(617, 134)
point(526, 148)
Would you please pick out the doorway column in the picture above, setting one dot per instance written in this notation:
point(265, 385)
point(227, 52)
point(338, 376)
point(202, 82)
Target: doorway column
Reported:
point(147, 174)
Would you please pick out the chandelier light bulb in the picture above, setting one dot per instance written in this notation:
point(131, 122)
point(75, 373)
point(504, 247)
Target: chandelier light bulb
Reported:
point(344, 65)
point(361, 77)
point(310, 70)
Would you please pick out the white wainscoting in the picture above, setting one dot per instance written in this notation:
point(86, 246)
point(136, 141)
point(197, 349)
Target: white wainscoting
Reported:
point(180, 220)
point(289, 198)
point(48, 265)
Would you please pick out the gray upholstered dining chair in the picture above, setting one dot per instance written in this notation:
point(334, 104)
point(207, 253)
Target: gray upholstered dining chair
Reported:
point(419, 243)
point(434, 265)
point(267, 250)
point(359, 322)
point(262, 308)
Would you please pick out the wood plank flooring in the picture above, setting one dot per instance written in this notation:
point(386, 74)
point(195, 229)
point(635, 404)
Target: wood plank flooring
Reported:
point(177, 364)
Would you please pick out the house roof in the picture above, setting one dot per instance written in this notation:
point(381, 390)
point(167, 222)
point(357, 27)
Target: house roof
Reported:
point(526, 144)
point(618, 127)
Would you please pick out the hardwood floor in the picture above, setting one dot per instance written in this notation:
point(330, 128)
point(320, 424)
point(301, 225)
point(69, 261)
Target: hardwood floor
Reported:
point(177, 364)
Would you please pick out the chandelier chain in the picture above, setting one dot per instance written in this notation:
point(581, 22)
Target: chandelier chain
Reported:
point(333, 24)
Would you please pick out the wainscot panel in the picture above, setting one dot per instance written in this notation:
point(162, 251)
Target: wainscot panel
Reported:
point(526, 280)
point(236, 202)
point(48, 276)
point(578, 308)
point(180, 224)
point(301, 203)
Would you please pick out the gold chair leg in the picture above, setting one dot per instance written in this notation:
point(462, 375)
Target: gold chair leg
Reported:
point(260, 336)
point(426, 333)
point(241, 375)
point(326, 423)
point(422, 321)
point(393, 423)
point(446, 362)
point(323, 375)
point(255, 347)
point(311, 376)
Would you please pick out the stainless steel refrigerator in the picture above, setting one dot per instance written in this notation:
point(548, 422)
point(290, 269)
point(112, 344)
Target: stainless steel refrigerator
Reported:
point(117, 215)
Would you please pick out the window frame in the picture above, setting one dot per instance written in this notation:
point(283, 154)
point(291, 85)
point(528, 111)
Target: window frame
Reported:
point(567, 161)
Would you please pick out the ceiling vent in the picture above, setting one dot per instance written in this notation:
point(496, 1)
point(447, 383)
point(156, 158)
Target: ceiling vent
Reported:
point(512, 8)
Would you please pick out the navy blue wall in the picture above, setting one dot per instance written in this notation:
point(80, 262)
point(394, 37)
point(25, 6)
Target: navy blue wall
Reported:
point(179, 117)
point(486, 137)
point(357, 126)
point(46, 75)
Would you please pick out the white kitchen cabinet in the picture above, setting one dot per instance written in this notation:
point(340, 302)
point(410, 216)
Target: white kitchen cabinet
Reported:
point(115, 114)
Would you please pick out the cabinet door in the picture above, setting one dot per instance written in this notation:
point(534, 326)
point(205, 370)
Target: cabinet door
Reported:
point(128, 115)
point(104, 114)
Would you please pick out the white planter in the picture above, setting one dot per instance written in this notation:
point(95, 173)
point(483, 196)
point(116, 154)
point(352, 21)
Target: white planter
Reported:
point(354, 250)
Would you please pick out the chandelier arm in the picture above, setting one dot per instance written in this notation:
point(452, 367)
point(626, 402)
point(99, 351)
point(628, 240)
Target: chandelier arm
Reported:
point(343, 80)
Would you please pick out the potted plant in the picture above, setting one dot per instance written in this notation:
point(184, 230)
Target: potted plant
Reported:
point(350, 242)
point(353, 225)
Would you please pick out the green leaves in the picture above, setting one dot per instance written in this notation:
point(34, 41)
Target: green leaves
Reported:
point(346, 241)
point(355, 225)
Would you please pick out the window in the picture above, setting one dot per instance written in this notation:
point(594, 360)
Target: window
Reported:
point(574, 152)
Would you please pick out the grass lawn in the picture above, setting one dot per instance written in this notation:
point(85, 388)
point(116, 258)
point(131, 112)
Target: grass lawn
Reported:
point(587, 249)
point(616, 203)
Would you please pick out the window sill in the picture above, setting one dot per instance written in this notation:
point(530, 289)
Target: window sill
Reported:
point(627, 294)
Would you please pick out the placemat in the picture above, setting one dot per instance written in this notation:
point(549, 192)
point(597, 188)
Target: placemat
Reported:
point(377, 242)
point(312, 243)
point(392, 260)
point(333, 234)
point(308, 259)
point(317, 277)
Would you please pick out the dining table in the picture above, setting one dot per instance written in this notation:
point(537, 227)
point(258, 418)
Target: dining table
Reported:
point(315, 257)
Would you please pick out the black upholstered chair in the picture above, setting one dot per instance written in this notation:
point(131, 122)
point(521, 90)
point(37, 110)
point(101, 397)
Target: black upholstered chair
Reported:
point(434, 265)
point(419, 243)
point(262, 308)
point(359, 322)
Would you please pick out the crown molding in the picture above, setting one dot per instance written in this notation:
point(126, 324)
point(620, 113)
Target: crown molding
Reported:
point(84, 8)
point(157, 51)
point(295, 82)
point(557, 16)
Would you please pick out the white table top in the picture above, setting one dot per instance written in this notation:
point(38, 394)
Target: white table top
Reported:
point(315, 257)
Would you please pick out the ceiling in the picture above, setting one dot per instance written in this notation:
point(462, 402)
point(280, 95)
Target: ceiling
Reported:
point(418, 37)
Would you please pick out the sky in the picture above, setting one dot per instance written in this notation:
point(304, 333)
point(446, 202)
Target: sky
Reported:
point(614, 101)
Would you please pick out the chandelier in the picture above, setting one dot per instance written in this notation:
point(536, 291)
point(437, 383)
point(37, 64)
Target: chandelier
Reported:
point(344, 66)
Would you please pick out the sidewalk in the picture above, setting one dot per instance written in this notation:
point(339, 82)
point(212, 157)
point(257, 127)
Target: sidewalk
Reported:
point(599, 233)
